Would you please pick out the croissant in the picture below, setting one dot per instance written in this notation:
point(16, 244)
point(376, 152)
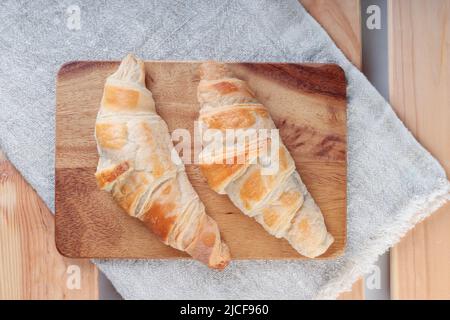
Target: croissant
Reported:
point(279, 201)
point(144, 176)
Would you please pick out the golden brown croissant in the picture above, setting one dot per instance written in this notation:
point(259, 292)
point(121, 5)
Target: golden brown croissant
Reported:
point(136, 166)
point(279, 201)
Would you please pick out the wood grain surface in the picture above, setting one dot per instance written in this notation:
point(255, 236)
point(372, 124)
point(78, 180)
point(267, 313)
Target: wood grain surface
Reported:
point(342, 20)
point(30, 266)
point(419, 56)
point(307, 103)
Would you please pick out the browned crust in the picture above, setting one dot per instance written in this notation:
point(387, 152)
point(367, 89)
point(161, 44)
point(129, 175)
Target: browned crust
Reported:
point(208, 246)
point(156, 218)
point(215, 174)
point(109, 175)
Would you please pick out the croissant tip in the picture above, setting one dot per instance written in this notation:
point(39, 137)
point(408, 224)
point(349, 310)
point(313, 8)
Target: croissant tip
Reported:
point(129, 56)
point(220, 266)
point(131, 69)
point(224, 259)
point(130, 60)
point(213, 70)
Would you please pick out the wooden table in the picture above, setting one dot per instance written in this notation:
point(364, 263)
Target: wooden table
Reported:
point(419, 78)
point(31, 268)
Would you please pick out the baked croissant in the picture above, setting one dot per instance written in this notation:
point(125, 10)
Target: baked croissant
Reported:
point(136, 166)
point(280, 201)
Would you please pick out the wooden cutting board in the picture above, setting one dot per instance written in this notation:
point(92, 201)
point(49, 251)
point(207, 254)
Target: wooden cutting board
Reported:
point(307, 103)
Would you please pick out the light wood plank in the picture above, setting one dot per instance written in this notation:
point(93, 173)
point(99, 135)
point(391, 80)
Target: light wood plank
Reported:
point(342, 20)
point(357, 292)
point(30, 266)
point(419, 56)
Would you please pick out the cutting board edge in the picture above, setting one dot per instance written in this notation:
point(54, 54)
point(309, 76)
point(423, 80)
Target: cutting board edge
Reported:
point(74, 65)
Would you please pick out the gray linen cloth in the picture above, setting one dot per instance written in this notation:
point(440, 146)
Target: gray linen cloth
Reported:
point(392, 181)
